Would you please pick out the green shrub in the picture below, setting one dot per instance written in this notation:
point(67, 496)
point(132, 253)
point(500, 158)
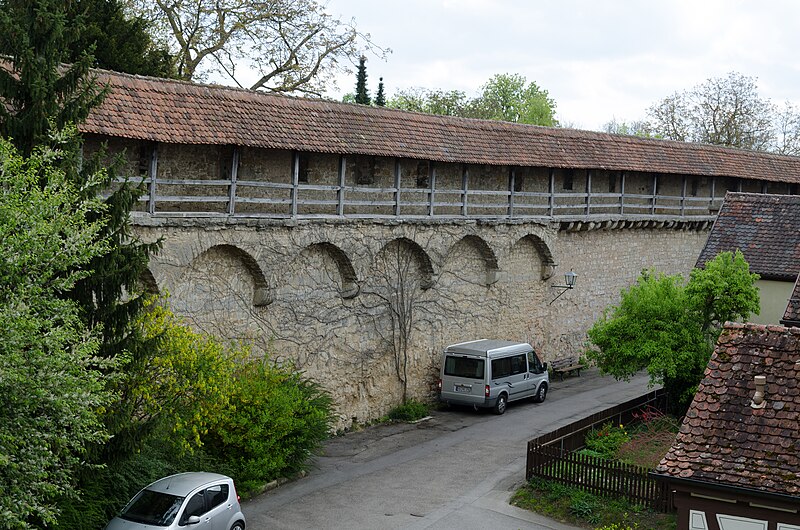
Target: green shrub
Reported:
point(411, 410)
point(275, 420)
point(607, 440)
point(104, 491)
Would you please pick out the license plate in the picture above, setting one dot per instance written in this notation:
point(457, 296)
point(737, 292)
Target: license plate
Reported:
point(463, 388)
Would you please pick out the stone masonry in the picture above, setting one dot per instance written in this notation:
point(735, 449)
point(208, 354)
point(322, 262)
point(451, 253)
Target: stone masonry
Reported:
point(323, 295)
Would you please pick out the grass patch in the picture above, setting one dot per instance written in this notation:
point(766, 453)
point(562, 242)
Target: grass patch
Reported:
point(411, 410)
point(572, 506)
point(642, 444)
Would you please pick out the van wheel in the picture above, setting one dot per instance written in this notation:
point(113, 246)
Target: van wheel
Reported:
point(541, 394)
point(500, 406)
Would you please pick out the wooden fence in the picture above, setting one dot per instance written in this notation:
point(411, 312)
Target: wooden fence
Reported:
point(552, 457)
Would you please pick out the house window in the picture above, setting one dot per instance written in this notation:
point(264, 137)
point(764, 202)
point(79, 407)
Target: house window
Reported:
point(695, 186)
point(612, 183)
point(569, 175)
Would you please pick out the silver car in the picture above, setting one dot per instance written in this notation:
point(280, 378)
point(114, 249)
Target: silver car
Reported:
point(183, 501)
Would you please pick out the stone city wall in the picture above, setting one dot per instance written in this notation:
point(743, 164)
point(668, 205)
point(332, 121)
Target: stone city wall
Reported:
point(333, 297)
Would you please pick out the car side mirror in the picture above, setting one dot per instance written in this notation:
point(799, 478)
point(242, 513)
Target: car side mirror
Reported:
point(544, 367)
point(193, 519)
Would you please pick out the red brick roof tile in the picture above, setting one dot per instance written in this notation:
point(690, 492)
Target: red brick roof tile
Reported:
point(766, 228)
point(178, 112)
point(723, 439)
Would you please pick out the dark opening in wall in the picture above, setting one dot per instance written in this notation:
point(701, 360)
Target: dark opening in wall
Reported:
point(569, 176)
point(145, 156)
point(423, 177)
point(302, 168)
point(695, 186)
point(225, 161)
point(364, 169)
point(519, 180)
point(612, 182)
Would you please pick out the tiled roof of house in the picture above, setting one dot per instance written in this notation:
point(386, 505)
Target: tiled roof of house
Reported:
point(792, 315)
point(766, 228)
point(179, 112)
point(723, 439)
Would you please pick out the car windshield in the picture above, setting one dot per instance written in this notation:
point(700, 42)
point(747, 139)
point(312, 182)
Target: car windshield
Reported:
point(152, 507)
point(463, 367)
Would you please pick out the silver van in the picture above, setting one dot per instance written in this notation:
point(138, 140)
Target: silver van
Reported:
point(491, 373)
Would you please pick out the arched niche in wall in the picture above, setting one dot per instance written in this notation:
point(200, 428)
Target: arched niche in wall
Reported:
point(468, 249)
point(347, 274)
point(403, 258)
point(547, 264)
point(148, 284)
point(262, 295)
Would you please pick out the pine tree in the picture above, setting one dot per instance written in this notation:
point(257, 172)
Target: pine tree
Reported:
point(380, 98)
point(37, 96)
point(120, 42)
point(362, 94)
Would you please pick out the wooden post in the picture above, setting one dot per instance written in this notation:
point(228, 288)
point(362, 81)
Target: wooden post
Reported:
point(683, 197)
point(464, 188)
point(512, 182)
point(552, 186)
point(340, 192)
point(397, 186)
point(432, 179)
point(151, 204)
point(588, 191)
point(295, 181)
point(655, 190)
point(232, 186)
point(713, 191)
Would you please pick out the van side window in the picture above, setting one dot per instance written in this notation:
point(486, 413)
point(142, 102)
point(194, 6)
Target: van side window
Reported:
point(534, 363)
point(509, 366)
point(463, 367)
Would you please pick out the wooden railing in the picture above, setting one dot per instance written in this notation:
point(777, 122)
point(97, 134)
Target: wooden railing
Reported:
point(198, 197)
point(552, 456)
point(599, 477)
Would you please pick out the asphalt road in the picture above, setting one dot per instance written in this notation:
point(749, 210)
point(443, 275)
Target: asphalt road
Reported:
point(456, 470)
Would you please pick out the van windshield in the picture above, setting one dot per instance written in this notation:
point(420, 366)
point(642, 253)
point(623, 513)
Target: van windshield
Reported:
point(463, 367)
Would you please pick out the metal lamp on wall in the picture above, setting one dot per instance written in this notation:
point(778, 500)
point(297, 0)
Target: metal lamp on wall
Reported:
point(569, 283)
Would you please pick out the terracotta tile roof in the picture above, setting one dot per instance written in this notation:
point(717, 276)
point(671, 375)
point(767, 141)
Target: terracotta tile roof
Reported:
point(178, 112)
point(723, 439)
point(792, 315)
point(766, 228)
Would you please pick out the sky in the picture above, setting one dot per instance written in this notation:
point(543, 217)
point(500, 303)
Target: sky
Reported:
point(599, 60)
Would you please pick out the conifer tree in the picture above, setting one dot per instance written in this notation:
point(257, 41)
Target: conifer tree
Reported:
point(362, 94)
point(380, 98)
point(38, 98)
point(37, 95)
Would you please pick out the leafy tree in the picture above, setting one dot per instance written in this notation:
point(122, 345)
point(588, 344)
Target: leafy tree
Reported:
point(294, 45)
point(380, 97)
point(38, 96)
point(722, 111)
point(362, 93)
point(669, 328)
point(787, 130)
point(51, 387)
point(635, 128)
point(450, 103)
point(118, 42)
point(507, 97)
point(504, 97)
